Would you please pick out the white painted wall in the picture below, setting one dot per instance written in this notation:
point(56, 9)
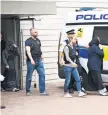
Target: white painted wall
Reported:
point(49, 29)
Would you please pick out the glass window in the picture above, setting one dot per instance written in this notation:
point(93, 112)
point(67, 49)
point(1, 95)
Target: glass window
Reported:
point(101, 32)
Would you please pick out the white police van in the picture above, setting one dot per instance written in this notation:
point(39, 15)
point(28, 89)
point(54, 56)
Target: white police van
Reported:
point(87, 24)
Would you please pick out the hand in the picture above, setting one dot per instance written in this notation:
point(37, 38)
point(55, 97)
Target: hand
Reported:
point(61, 63)
point(14, 45)
point(100, 46)
point(41, 58)
point(74, 65)
point(7, 66)
point(2, 77)
point(32, 62)
point(77, 53)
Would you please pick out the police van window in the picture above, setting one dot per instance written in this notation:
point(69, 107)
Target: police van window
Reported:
point(101, 32)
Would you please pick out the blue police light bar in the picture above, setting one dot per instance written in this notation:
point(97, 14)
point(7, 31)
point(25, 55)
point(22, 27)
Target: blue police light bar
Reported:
point(86, 9)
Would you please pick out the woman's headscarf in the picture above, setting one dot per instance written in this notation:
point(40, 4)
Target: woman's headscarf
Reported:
point(11, 47)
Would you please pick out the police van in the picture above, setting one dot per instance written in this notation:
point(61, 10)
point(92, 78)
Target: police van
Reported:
point(87, 24)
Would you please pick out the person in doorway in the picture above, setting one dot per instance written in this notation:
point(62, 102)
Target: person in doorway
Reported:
point(70, 70)
point(34, 61)
point(95, 57)
point(8, 57)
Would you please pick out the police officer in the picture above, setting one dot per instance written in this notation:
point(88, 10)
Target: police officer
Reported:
point(70, 69)
point(70, 35)
point(75, 53)
point(34, 61)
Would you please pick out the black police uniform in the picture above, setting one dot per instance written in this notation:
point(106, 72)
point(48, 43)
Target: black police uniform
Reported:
point(35, 46)
point(35, 50)
point(72, 31)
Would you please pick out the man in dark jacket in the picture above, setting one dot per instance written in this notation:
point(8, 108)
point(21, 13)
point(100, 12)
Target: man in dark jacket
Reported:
point(95, 57)
point(34, 62)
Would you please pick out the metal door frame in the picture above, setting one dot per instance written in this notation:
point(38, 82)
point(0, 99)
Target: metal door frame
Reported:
point(22, 50)
point(16, 33)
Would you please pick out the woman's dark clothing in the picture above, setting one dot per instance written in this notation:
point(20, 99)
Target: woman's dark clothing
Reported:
point(96, 80)
point(95, 57)
point(8, 56)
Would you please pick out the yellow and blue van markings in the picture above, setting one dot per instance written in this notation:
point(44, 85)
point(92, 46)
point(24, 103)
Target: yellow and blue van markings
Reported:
point(105, 49)
point(83, 52)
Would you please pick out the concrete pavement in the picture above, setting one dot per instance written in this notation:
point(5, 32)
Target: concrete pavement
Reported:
point(19, 104)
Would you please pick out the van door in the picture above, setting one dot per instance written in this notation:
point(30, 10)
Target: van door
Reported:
point(60, 68)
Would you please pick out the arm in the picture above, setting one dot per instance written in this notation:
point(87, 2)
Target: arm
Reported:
point(16, 50)
point(4, 58)
point(84, 46)
point(60, 58)
point(61, 53)
point(99, 52)
point(28, 48)
point(41, 51)
point(28, 52)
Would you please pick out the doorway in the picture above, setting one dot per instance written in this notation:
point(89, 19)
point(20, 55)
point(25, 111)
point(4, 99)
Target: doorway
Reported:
point(10, 29)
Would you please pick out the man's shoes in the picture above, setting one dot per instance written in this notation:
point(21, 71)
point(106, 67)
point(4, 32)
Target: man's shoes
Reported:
point(29, 94)
point(44, 94)
point(81, 94)
point(3, 107)
point(67, 95)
